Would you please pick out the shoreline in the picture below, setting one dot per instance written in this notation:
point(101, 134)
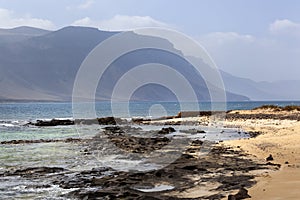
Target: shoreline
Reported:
point(281, 139)
point(231, 168)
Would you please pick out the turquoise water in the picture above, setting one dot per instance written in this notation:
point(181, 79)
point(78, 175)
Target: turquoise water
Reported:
point(15, 116)
point(32, 111)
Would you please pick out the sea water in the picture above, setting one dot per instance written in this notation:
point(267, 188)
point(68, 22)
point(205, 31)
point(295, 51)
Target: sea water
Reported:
point(13, 126)
point(15, 116)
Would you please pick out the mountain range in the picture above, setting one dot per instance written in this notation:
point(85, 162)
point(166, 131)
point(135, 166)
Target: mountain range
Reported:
point(38, 64)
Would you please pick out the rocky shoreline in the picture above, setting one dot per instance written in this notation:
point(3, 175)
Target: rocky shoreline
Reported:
point(219, 173)
point(223, 172)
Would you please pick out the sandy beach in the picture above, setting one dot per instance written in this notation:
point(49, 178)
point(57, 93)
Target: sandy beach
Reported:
point(279, 136)
point(281, 139)
point(263, 163)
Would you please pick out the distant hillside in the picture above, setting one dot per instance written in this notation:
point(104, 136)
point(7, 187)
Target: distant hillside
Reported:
point(37, 64)
point(42, 65)
point(19, 34)
point(277, 90)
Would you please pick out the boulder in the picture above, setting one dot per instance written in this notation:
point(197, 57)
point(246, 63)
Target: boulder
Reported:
point(242, 194)
point(269, 158)
point(166, 130)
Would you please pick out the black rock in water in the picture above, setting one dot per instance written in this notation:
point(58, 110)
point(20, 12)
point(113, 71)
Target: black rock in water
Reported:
point(166, 130)
point(53, 122)
point(35, 171)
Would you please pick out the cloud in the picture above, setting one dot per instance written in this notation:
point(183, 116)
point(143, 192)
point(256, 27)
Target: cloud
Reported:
point(258, 58)
point(85, 5)
point(8, 19)
point(221, 38)
point(285, 27)
point(121, 22)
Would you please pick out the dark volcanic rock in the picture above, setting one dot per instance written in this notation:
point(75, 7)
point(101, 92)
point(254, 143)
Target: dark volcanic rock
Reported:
point(66, 122)
point(221, 165)
point(106, 183)
point(192, 131)
point(122, 137)
point(35, 171)
point(68, 140)
point(254, 134)
point(242, 194)
point(166, 130)
point(53, 122)
point(101, 121)
point(269, 158)
point(273, 164)
point(214, 167)
point(107, 121)
point(198, 113)
point(139, 145)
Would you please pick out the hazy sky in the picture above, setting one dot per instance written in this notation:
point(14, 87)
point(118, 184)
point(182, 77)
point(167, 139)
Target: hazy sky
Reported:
point(257, 39)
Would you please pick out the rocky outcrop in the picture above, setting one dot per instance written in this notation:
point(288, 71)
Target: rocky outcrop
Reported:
point(212, 169)
point(120, 137)
point(68, 140)
point(166, 130)
point(53, 122)
point(107, 183)
point(66, 122)
point(192, 131)
point(34, 171)
point(242, 194)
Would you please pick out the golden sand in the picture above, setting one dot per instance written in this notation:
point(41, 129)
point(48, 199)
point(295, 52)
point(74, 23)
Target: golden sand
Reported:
point(281, 139)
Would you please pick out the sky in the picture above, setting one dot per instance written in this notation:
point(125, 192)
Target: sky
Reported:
point(256, 39)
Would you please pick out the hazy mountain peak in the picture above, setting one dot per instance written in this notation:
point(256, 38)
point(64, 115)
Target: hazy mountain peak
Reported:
point(48, 62)
point(22, 33)
point(24, 30)
point(81, 30)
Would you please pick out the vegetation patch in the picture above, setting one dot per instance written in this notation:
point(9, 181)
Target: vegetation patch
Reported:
point(279, 108)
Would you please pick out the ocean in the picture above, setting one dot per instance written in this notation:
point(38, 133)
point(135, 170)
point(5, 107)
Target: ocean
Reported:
point(48, 110)
point(15, 116)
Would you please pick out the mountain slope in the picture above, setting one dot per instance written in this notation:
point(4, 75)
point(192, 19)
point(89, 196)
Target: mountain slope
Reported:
point(47, 63)
point(278, 90)
point(20, 33)
point(43, 65)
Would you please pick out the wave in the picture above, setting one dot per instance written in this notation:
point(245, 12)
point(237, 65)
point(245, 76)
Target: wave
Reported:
point(13, 123)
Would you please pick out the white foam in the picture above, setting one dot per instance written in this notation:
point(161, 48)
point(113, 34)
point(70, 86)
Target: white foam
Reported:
point(157, 188)
point(7, 125)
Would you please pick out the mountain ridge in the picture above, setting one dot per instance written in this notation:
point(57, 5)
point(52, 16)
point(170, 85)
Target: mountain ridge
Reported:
point(44, 65)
